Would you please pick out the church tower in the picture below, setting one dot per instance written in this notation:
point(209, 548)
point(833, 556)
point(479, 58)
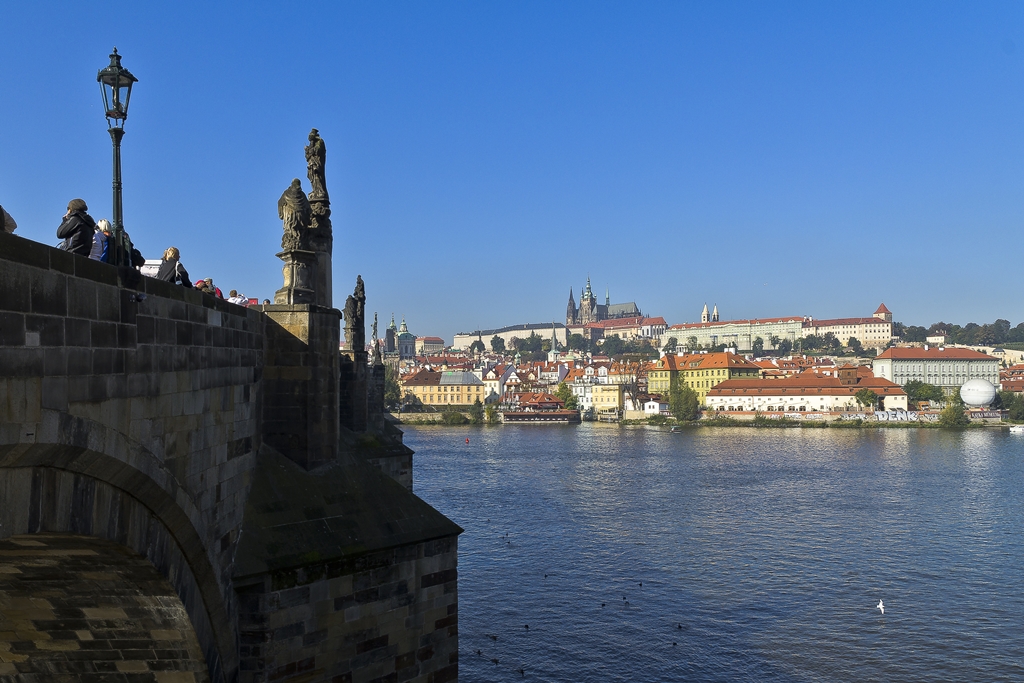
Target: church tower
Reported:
point(714, 314)
point(570, 310)
point(588, 306)
point(705, 317)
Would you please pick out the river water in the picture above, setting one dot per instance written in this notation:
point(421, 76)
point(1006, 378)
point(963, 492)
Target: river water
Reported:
point(761, 552)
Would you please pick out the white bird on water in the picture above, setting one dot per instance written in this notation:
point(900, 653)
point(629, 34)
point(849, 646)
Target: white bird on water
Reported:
point(880, 607)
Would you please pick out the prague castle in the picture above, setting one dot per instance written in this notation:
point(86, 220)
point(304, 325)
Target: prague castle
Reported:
point(591, 312)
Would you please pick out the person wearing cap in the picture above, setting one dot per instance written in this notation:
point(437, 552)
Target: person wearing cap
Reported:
point(77, 229)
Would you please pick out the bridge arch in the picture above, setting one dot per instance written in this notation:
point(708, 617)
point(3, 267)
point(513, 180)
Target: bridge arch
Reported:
point(79, 605)
point(73, 475)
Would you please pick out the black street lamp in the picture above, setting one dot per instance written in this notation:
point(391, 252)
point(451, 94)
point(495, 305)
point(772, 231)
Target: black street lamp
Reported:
point(116, 86)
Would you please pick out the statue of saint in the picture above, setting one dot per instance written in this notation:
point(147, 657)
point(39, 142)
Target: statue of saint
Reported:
point(373, 329)
point(360, 294)
point(316, 157)
point(293, 208)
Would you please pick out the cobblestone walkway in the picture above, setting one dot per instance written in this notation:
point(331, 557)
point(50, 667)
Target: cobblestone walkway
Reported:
point(77, 608)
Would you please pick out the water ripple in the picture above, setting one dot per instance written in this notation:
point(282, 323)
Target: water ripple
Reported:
point(761, 553)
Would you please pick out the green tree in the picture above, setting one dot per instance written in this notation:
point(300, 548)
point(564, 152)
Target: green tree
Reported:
point(671, 345)
point(812, 342)
point(954, 415)
point(477, 347)
point(453, 417)
point(565, 395)
point(691, 344)
point(491, 415)
point(1015, 409)
point(922, 391)
point(866, 398)
point(854, 345)
point(774, 339)
point(577, 342)
point(784, 346)
point(476, 412)
point(612, 346)
point(392, 391)
point(758, 346)
point(683, 403)
point(497, 344)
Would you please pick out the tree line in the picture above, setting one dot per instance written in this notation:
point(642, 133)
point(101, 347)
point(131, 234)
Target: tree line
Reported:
point(971, 334)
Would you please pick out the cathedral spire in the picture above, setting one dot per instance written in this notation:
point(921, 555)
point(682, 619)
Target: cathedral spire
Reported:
point(704, 315)
point(714, 314)
point(607, 299)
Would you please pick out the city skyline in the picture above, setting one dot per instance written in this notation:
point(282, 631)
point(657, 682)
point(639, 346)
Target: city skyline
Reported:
point(773, 160)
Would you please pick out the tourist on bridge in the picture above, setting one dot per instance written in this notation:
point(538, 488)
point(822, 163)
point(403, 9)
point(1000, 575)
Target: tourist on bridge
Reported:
point(77, 229)
point(100, 241)
point(171, 269)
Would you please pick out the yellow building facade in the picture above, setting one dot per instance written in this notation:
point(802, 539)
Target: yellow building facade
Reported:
point(436, 388)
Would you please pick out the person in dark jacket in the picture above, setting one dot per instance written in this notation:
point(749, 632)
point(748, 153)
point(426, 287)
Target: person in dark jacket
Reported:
point(171, 269)
point(100, 241)
point(77, 229)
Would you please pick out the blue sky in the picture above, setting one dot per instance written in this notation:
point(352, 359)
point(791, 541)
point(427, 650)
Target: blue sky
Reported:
point(773, 158)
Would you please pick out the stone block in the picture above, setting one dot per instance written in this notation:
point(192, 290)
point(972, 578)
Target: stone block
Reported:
point(55, 393)
point(87, 269)
point(82, 299)
point(127, 336)
point(21, 250)
point(12, 329)
point(49, 328)
point(145, 327)
point(77, 332)
point(103, 334)
point(21, 362)
point(108, 303)
point(54, 361)
point(14, 295)
point(48, 295)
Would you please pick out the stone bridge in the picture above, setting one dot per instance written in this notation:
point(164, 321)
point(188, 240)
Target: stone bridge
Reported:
point(236, 453)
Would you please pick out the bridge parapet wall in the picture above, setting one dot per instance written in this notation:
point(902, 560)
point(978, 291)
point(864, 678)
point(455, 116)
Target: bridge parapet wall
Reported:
point(163, 379)
point(147, 413)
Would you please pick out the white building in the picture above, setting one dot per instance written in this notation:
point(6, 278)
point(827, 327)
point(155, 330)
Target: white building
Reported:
point(943, 367)
point(738, 333)
point(874, 332)
point(463, 340)
point(802, 393)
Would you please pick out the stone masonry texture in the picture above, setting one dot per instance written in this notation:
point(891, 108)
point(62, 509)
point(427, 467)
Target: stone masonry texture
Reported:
point(78, 609)
point(139, 413)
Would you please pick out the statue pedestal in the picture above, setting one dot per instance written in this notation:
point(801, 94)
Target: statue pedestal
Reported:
point(299, 277)
point(321, 240)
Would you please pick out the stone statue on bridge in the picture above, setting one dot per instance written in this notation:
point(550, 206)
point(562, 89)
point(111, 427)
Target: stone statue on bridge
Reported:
point(316, 158)
point(355, 322)
point(294, 210)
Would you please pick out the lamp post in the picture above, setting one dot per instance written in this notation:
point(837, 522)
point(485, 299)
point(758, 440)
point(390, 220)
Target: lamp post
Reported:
point(116, 87)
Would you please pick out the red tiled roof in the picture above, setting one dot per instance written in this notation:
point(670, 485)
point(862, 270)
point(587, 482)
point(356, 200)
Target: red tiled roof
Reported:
point(422, 378)
point(933, 353)
point(882, 309)
point(805, 384)
point(835, 322)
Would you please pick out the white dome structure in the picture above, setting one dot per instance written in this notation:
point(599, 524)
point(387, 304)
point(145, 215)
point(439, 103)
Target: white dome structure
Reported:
point(977, 393)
